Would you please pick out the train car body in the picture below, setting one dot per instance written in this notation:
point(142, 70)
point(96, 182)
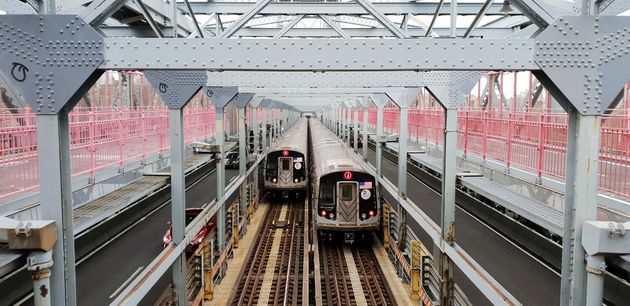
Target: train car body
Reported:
point(344, 192)
point(286, 167)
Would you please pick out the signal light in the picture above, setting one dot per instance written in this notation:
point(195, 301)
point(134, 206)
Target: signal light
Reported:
point(371, 213)
point(347, 175)
point(285, 153)
point(323, 213)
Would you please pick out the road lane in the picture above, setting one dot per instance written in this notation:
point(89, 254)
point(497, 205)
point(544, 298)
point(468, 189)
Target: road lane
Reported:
point(523, 276)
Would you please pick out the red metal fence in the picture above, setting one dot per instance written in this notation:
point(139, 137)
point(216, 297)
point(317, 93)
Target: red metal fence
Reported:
point(528, 140)
point(99, 138)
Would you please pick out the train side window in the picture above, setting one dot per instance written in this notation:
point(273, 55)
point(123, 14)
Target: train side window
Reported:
point(346, 192)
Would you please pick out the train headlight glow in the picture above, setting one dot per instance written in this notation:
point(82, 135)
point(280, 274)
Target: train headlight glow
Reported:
point(363, 216)
point(371, 213)
point(274, 180)
point(323, 212)
point(296, 180)
point(331, 216)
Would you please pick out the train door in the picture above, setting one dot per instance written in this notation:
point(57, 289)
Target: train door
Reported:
point(347, 202)
point(285, 175)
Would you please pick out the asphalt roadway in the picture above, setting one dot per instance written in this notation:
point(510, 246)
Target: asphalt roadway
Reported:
point(527, 279)
point(101, 277)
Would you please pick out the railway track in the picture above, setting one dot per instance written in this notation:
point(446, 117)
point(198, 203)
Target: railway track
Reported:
point(275, 271)
point(349, 275)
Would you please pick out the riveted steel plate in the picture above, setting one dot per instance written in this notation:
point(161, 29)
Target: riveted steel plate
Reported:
point(587, 59)
point(242, 99)
point(403, 97)
point(364, 101)
point(176, 88)
point(47, 59)
point(450, 88)
point(319, 54)
point(220, 96)
point(379, 99)
point(326, 79)
point(256, 101)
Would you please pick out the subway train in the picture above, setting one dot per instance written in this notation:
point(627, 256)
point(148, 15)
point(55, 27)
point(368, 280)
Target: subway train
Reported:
point(285, 171)
point(344, 192)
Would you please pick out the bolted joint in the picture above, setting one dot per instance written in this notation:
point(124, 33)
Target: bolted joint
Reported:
point(595, 265)
point(37, 261)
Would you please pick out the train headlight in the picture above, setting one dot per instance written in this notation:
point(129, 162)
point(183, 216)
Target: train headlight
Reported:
point(323, 213)
point(363, 216)
point(274, 180)
point(331, 216)
point(296, 180)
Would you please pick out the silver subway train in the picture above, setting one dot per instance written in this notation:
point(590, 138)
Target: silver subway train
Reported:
point(286, 167)
point(343, 190)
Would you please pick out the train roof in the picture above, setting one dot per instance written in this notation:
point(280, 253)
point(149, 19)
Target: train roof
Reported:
point(295, 139)
point(329, 154)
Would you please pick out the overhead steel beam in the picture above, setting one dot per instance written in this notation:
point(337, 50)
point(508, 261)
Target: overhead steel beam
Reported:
point(339, 8)
point(245, 18)
point(334, 26)
point(99, 10)
point(484, 32)
point(149, 18)
point(435, 15)
point(480, 15)
point(368, 6)
point(288, 26)
point(320, 54)
point(192, 15)
point(538, 11)
point(259, 80)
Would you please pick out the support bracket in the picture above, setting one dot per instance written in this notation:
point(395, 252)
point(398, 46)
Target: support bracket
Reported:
point(51, 60)
point(221, 96)
point(589, 52)
point(176, 88)
point(450, 87)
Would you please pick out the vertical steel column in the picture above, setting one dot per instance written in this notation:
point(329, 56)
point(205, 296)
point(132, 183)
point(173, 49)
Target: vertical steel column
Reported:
point(348, 122)
point(580, 202)
point(242, 161)
point(366, 110)
point(595, 280)
point(228, 122)
point(447, 216)
point(355, 137)
point(53, 152)
point(263, 130)
point(379, 136)
point(178, 200)
point(402, 153)
point(256, 144)
point(220, 166)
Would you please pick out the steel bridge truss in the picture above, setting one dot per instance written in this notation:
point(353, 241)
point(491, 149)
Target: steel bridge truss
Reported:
point(52, 60)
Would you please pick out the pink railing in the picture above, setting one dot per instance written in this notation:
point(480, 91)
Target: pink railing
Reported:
point(529, 140)
point(99, 138)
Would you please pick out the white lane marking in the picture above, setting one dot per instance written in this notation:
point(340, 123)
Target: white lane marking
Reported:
point(357, 288)
point(126, 282)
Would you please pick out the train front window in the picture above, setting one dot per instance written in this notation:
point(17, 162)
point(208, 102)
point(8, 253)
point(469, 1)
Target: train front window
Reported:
point(346, 192)
point(326, 193)
point(271, 164)
point(286, 164)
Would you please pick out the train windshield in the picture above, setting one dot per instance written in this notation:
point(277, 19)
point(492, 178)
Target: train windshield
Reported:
point(272, 163)
point(347, 191)
point(286, 164)
point(326, 193)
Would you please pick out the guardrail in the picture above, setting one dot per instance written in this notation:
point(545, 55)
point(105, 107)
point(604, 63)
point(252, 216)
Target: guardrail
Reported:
point(99, 138)
point(531, 141)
